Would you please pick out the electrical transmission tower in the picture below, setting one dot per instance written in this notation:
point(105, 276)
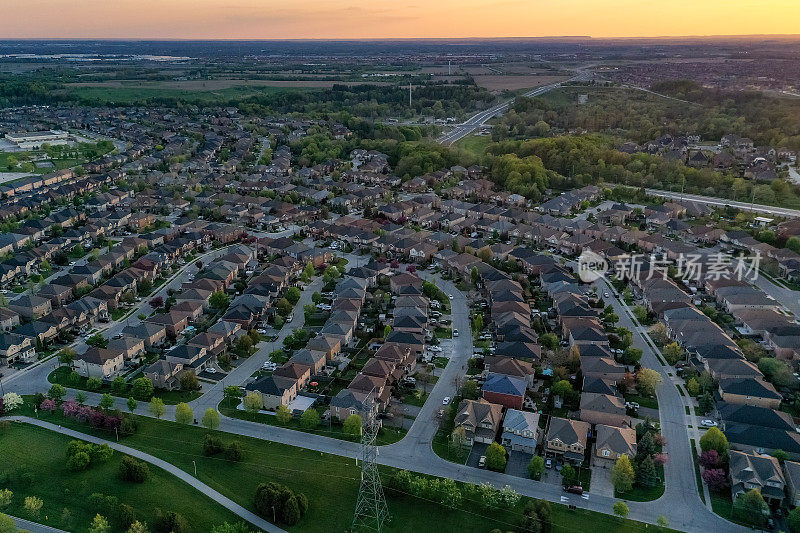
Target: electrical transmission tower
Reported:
point(371, 512)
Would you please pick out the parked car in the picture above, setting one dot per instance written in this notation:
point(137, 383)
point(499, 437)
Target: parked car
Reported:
point(446, 400)
point(450, 296)
point(118, 336)
point(482, 461)
point(548, 463)
point(575, 489)
point(707, 423)
point(211, 370)
point(606, 295)
point(455, 333)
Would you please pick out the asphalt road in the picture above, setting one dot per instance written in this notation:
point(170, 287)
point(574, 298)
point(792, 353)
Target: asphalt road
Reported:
point(479, 119)
point(722, 202)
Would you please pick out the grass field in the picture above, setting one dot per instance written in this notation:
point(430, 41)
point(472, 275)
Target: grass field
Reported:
point(34, 460)
point(331, 484)
point(136, 93)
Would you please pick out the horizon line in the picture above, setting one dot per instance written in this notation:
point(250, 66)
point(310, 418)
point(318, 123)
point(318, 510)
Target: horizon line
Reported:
point(383, 39)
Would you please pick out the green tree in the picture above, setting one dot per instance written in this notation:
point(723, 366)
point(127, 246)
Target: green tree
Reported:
point(106, 401)
point(66, 356)
point(233, 391)
point(5, 498)
point(219, 300)
point(640, 313)
point(57, 392)
point(132, 404)
point(648, 380)
point(562, 388)
point(673, 353)
point(622, 475)
point(93, 384)
point(662, 521)
point(309, 419)
point(293, 295)
point(693, 387)
point(549, 341)
point(157, 408)
point(714, 439)
point(569, 476)
point(646, 473)
point(137, 527)
point(536, 467)
point(7, 524)
point(475, 275)
point(793, 244)
point(750, 507)
point(793, 520)
point(470, 390)
point(211, 418)
point(352, 426)
point(33, 506)
point(621, 509)
point(253, 402)
point(142, 389)
point(283, 415)
point(308, 271)
point(99, 525)
point(496, 457)
point(183, 413)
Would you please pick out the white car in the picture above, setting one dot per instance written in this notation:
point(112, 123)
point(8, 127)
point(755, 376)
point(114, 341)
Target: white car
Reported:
point(269, 365)
point(455, 333)
point(446, 400)
point(606, 295)
point(708, 423)
point(211, 370)
point(436, 349)
point(262, 331)
point(450, 296)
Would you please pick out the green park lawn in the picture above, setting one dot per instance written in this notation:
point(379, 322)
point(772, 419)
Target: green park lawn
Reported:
point(34, 461)
point(330, 482)
point(474, 144)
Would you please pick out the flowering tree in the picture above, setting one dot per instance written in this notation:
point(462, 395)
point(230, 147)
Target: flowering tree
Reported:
point(48, 405)
point(660, 458)
point(709, 459)
point(715, 478)
point(11, 401)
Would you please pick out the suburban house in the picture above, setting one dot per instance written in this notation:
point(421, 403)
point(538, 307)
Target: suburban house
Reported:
point(99, 363)
point(749, 391)
point(351, 402)
point(521, 431)
point(274, 391)
point(567, 438)
point(508, 391)
point(612, 442)
point(756, 471)
point(480, 420)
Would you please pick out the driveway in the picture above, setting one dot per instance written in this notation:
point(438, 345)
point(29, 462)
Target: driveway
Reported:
point(518, 464)
point(601, 482)
point(478, 449)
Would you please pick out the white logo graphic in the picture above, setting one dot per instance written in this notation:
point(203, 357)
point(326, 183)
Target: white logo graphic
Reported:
point(591, 266)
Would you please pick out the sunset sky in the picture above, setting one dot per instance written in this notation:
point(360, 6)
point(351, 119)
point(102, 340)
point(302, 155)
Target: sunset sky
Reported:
point(301, 19)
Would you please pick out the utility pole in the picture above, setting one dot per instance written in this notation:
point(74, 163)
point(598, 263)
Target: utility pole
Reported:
point(371, 512)
point(409, 93)
point(448, 68)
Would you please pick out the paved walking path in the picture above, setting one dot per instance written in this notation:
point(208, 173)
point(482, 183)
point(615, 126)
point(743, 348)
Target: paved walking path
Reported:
point(172, 469)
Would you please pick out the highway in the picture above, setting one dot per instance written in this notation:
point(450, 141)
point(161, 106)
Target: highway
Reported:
point(721, 202)
point(462, 130)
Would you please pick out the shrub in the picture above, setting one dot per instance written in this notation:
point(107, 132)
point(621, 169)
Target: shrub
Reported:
point(212, 445)
point(133, 470)
point(170, 522)
point(233, 452)
point(79, 461)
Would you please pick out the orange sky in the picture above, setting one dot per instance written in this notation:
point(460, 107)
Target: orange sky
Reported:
point(295, 19)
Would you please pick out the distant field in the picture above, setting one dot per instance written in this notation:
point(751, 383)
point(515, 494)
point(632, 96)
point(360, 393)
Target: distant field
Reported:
point(123, 94)
point(512, 82)
point(216, 85)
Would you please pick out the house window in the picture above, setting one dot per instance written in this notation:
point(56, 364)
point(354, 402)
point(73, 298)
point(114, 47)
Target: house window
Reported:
point(352, 411)
point(606, 453)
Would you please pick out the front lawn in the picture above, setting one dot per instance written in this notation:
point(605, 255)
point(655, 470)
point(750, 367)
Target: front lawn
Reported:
point(227, 407)
point(643, 401)
point(61, 375)
point(34, 459)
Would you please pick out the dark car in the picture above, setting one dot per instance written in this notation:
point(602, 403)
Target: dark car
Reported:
point(575, 489)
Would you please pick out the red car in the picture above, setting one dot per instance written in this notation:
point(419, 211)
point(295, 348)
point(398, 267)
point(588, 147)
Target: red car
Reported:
point(575, 489)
